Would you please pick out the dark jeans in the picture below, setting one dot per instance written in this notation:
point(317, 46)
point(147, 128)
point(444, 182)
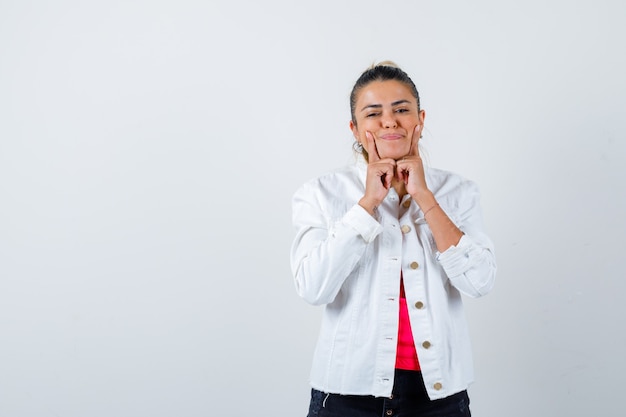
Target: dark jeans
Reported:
point(409, 399)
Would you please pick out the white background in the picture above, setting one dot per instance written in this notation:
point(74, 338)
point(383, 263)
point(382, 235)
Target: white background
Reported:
point(149, 151)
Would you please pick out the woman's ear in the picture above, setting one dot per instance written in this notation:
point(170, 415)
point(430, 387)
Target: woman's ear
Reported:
point(355, 131)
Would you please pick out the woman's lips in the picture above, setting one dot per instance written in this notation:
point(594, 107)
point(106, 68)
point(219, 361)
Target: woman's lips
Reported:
point(391, 136)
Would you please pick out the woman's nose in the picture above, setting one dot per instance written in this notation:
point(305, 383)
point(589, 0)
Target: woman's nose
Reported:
point(389, 122)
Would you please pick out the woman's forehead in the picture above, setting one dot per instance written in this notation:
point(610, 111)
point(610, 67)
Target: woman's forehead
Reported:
point(385, 92)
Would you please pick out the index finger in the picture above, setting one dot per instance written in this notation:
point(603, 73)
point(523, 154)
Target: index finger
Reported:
point(414, 151)
point(372, 151)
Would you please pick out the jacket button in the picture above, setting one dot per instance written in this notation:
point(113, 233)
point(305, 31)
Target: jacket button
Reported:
point(414, 265)
point(389, 412)
point(438, 386)
point(405, 228)
point(426, 344)
point(419, 305)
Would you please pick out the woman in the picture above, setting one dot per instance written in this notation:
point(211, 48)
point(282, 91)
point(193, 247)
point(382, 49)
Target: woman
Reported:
point(388, 247)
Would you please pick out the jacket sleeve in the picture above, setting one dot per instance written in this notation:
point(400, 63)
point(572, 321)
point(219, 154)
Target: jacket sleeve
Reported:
point(471, 264)
point(326, 250)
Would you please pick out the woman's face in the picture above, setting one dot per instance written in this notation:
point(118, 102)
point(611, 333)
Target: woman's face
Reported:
point(387, 110)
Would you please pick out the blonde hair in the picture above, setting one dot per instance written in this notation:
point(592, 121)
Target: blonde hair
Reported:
point(384, 64)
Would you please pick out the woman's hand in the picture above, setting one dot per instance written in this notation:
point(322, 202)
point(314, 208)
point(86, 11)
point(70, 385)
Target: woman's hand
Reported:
point(410, 169)
point(380, 173)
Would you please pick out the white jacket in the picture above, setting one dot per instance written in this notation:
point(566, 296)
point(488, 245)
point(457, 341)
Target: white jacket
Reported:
point(347, 260)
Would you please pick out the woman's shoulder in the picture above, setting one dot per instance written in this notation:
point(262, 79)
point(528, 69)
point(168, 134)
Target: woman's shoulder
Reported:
point(345, 174)
point(335, 182)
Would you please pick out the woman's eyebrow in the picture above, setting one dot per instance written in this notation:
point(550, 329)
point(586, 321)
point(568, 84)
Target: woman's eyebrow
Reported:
point(396, 103)
point(373, 106)
point(378, 106)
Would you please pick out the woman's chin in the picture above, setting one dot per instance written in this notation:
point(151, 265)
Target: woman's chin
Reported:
point(393, 155)
point(392, 152)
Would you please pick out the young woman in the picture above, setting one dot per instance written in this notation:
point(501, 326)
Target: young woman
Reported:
point(388, 247)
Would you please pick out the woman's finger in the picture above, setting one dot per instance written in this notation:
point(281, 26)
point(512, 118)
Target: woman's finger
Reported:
point(417, 132)
point(371, 147)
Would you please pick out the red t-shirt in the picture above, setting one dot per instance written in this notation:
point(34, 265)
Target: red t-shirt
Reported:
point(406, 355)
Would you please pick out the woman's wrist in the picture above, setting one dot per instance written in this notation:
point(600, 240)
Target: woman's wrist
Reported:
point(425, 199)
point(428, 210)
point(368, 205)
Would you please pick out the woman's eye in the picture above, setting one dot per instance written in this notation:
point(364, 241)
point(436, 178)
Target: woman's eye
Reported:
point(402, 110)
point(371, 114)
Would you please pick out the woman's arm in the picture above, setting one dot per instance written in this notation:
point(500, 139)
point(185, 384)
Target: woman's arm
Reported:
point(465, 251)
point(326, 251)
point(470, 262)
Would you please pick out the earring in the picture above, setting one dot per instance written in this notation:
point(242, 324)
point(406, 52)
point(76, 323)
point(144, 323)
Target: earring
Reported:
point(357, 146)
